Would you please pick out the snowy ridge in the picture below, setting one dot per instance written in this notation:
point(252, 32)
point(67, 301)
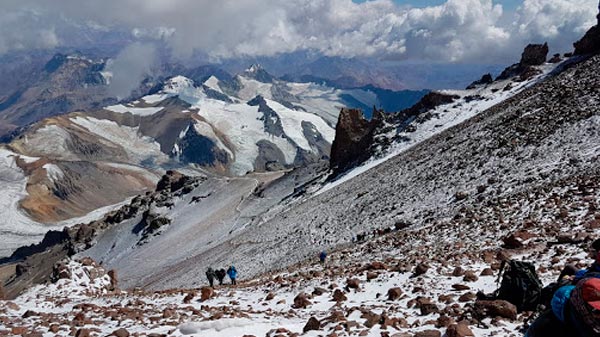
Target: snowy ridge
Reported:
point(444, 117)
point(135, 111)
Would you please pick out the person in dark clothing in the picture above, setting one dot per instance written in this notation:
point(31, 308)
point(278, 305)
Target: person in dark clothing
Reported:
point(322, 257)
point(220, 275)
point(232, 273)
point(568, 316)
point(210, 275)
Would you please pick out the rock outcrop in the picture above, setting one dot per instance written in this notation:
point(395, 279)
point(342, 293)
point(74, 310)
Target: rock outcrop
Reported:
point(590, 43)
point(353, 139)
point(485, 79)
point(533, 55)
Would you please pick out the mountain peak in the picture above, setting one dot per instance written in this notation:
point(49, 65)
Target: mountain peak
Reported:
point(258, 73)
point(178, 83)
point(254, 68)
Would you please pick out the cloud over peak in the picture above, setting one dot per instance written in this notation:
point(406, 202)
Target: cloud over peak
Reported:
point(456, 31)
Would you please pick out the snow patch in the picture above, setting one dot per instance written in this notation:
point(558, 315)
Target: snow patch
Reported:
point(138, 148)
point(54, 172)
point(153, 99)
point(120, 108)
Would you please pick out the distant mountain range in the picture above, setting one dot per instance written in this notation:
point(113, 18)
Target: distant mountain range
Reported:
point(70, 164)
point(37, 86)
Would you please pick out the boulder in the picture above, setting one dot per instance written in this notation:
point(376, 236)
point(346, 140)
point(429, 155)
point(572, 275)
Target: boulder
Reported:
point(339, 296)
point(533, 55)
point(428, 333)
point(301, 301)
point(458, 271)
point(353, 283)
point(394, 293)
point(188, 298)
point(461, 329)
point(171, 181)
point(470, 276)
point(372, 319)
point(122, 332)
point(312, 324)
point(377, 266)
point(206, 293)
point(421, 269)
point(496, 308)
point(82, 333)
point(429, 308)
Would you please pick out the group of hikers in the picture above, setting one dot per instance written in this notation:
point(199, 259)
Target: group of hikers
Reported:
point(219, 275)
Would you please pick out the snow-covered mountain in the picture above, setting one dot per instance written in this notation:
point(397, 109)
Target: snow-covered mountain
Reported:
point(67, 166)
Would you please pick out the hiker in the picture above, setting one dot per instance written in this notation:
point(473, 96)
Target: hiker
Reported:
point(322, 257)
point(232, 273)
point(220, 275)
point(575, 303)
point(210, 275)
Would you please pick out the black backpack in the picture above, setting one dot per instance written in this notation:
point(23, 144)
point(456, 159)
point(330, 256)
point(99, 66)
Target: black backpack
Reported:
point(520, 285)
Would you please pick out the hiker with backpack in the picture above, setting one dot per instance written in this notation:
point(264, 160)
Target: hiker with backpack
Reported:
point(210, 275)
point(232, 273)
point(220, 275)
point(575, 303)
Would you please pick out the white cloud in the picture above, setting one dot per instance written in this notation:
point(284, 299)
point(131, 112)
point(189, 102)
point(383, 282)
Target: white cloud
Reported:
point(458, 30)
point(129, 68)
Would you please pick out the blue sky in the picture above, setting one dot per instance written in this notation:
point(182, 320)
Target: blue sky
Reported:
point(507, 4)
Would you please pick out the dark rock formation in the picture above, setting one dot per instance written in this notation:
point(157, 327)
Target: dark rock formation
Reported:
point(270, 119)
point(429, 102)
point(533, 55)
point(555, 59)
point(485, 79)
point(353, 139)
point(171, 181)
point(199, 149)
point(590, 43)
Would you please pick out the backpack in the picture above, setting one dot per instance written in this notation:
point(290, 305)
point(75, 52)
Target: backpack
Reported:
point(585, 305)
point(520, 285)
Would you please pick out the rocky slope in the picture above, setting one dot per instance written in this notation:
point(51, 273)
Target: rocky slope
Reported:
point(358, 140)
point(398, 282)
point(65, 83)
